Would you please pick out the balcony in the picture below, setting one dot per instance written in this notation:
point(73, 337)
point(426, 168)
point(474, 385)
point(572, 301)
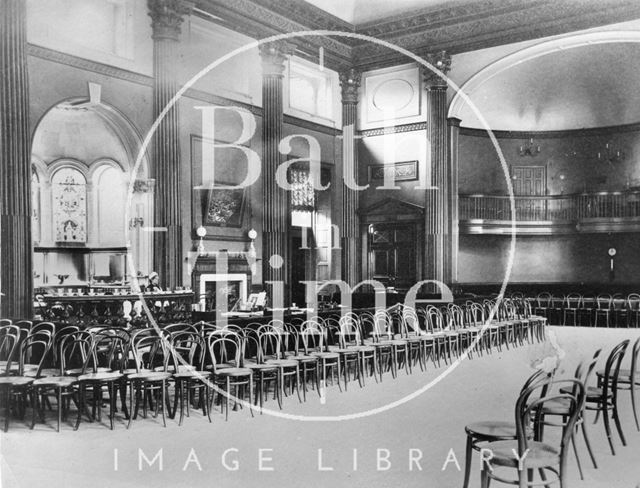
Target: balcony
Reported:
point(558, 214)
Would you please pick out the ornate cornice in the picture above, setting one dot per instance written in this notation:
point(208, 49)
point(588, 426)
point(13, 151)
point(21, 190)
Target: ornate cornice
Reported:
point(307, 124)
point(350, 83)
point(485, 24)
point(553, 134)
point(167, 16)
point(88, 65)
point(396, 129)
point(255, 20)
point(274, 55)
point(433, 80)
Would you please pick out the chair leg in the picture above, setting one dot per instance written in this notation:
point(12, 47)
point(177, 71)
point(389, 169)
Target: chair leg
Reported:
point(575, 451)
point(467, 462)
point(583, 424)
point(616, 419)
point(633, 405)
point(607, 428)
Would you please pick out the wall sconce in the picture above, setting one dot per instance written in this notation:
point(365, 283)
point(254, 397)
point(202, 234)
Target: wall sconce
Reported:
point(251, 254)
point(529, 148)
point(610, 154)
point(201, 232)
point(136, 222)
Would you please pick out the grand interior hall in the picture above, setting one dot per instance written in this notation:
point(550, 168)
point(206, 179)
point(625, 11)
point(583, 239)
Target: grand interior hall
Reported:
point(356, 243)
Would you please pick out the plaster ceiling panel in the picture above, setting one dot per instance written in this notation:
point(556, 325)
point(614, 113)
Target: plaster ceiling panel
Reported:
point(587, 86)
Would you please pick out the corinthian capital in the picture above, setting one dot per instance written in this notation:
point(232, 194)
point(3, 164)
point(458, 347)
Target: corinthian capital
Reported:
point(167, 16)
point(350, 82)
point(442, 62)
point(273, 55)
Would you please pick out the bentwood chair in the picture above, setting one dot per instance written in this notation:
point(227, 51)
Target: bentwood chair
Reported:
point(102, 371)
point(307, 365)
point(526, 454)
point(479, 434)
point(560, 408)
point(633, 307)
point(603, 309)
point(73, 346)
point(571, 308)
point(629, 379)
point(14, 388)
point(188, 352)
point(230, 382)
point(264, 375)
point(313, 337)
point(604, 397)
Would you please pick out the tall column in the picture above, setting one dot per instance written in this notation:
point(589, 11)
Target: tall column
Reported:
point(350, 228)
point(437, 258)
point(454, 135)
point(275, 212)
point(16, 251)
point(166, 17)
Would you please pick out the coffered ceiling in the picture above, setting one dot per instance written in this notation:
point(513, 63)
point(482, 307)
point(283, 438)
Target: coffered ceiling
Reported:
point(420, 26)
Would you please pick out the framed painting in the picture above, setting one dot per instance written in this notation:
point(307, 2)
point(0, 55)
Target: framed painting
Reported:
point(219, 210)
point(404, 171)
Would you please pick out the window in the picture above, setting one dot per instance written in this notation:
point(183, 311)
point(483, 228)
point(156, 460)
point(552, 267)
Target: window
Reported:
point(310, 90)
point(35, 206)
point(69, 191)
point(111, 202)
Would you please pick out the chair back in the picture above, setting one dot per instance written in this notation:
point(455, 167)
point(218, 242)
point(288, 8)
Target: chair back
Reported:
point(573, 300)
point(633, 302)
point(603, 301)
point(36, 345)
point(544, 300)
point(530, 404)
point(187, 350)
point(612, 369)
point(224, 350)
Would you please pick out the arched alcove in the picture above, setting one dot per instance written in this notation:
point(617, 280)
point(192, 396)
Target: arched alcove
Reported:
point(83, 156)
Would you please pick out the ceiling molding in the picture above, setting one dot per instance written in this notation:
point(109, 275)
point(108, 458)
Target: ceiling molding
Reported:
point(465, 26)
point(552, 134)
point(257, 21)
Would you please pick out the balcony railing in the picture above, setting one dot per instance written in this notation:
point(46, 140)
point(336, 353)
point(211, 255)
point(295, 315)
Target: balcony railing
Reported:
point(557, 208)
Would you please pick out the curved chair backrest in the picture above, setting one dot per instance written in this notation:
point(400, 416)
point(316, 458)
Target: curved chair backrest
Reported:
point(149, 351)
point(530, 404)
point(9, 344)
point(633, 302)
point(187, 348)
point(612, 368)
point(40, 326)
point(573, 300)
point(635, 354)
point(224, 350)
point(544, 299)
point(35, 345)
point(603, 301)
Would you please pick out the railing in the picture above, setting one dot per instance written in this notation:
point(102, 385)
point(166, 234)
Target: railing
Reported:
point(567, 208)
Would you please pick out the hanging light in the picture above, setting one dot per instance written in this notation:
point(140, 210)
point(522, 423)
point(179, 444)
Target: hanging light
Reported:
point(529, 148)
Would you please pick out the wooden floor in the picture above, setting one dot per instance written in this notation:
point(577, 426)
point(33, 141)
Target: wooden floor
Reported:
point(428, 427)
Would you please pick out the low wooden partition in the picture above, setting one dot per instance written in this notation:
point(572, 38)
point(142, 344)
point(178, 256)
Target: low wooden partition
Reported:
point(116, 309)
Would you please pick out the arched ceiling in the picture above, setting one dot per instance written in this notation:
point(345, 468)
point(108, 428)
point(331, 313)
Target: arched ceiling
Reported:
point(77, 132)
point(559, 85)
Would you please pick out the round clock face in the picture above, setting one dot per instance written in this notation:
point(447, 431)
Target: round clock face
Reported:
point(612, 251)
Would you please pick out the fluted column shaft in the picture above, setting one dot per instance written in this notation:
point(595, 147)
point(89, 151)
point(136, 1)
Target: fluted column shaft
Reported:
point(16, 251)
point(166, 15)
point(437, 253)
point(350, 225)
point(454, 135)
point(275, 212)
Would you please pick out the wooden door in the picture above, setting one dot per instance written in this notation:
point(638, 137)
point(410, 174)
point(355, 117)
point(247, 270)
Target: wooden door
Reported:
point(529, 181)
point(392, 254)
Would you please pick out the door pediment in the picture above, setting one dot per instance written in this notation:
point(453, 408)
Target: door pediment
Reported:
point(391, 209)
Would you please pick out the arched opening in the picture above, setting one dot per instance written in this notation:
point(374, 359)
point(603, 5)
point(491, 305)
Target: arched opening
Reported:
point(83, 157)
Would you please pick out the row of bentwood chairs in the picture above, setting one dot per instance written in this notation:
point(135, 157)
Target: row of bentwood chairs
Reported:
point(548, 401)
point(603, 310)
point(183, 366)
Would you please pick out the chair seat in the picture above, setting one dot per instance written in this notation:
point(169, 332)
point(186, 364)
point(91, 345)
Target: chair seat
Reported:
point(303, 358)
point(149, 376)
point(540, 454)
point(101, 376)
point(79, 371)
point(58, 381)
point(200, 375)
point(346, 350)
point(233, 372)
point(557, 406)
point(283, 363)
point(16, 380)
point(326, 355)
point(261, 366)
point(492, 429)
point(365, 348)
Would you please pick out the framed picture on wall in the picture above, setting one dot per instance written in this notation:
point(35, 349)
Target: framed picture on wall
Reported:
point(222, 211)
point(402, 171)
